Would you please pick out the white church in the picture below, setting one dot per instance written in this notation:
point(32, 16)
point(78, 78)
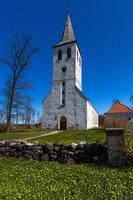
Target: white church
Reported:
point(66, 107)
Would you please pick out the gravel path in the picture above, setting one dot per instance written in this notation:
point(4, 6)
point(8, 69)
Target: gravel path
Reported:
point(42, 135)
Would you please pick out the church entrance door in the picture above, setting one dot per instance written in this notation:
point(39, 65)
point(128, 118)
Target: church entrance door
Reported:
point(63, 123)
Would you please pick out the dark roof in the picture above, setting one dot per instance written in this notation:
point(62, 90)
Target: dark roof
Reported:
point(61, 44)
point(68, 34)
point(80, 93)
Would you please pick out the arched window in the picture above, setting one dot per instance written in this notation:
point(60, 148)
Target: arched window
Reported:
point(69, 53)
point(59, 55)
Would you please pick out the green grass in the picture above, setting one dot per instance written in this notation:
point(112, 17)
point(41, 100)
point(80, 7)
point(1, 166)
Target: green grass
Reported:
point(90, 136)
point(33, 180)
point(129, 141)
point(68, 137)
point(20, 135)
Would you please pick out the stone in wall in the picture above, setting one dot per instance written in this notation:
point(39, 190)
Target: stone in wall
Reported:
point(68, 154)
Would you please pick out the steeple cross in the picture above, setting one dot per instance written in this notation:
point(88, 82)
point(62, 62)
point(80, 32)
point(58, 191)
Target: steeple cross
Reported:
point(69, 6)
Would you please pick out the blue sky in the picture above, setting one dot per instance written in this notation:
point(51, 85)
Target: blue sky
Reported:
point(104, 31)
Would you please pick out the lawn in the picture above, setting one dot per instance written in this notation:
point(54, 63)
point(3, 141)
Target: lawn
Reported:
point(33, 180)
point(68, 137)
point(20, 135)
point(90, 136)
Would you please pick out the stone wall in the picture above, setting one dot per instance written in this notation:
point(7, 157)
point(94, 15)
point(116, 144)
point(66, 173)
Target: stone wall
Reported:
point(68, 154)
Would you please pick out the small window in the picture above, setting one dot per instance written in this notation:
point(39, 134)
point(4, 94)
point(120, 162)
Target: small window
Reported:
point(55, 117)
point(60, 55)
point(63, 96)
point(69, 53)
point(63, 102)
point(80, 61)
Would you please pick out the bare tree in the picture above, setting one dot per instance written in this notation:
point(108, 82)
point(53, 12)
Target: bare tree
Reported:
point(17, 107)
point(38, 117)
point(18, 59)
point(2, 110)
point(27, 110)
point(33, 115)
point(2, 116)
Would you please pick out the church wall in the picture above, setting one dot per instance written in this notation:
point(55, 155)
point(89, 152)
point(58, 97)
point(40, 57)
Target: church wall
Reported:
point(119, 115)
point(46, 111)
point(70, 103)
point(78, 69)
point(80, 112)
point(74, 110)
point(92, 116)
point(74, 65)
point(53, 111)
point(51, 106)
point(69, 63)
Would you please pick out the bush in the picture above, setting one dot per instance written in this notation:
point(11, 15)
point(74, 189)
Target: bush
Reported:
point(115, 123)
point(129, 126)
point(2, 127)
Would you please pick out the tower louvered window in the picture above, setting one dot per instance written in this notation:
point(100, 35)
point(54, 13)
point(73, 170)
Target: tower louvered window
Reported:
point(59, 55)
point(69, 52)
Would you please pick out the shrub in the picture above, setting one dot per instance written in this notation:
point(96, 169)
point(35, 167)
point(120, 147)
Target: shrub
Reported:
point(129, 126)
point(115, 123)
point(2, 127)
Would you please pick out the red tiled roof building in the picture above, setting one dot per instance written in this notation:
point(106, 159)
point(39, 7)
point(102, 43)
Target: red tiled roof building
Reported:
point(119, 110)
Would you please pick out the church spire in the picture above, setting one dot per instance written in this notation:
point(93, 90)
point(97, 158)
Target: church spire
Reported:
point(68, 34)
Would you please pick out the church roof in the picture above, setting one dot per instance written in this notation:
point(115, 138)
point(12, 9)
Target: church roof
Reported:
point(80, 93)
point(119, 108)
point(68, 34)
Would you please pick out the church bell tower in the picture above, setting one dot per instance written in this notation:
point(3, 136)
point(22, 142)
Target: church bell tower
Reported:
point(67, 60)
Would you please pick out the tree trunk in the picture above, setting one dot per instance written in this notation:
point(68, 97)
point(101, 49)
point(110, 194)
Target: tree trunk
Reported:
point(9, 112)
